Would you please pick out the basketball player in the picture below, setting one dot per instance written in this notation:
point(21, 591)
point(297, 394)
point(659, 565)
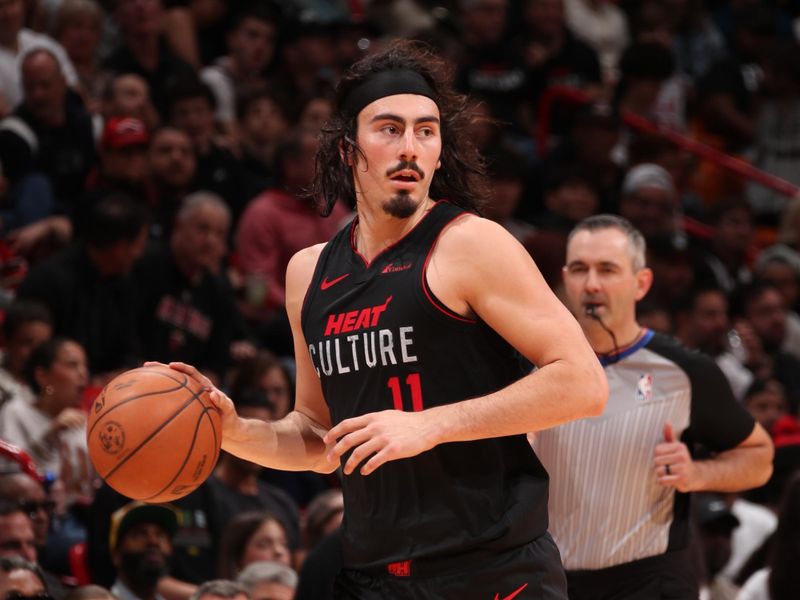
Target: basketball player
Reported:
point(619, 502)
point(407, 328)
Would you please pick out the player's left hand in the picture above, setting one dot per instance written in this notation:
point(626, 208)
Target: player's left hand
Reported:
point(380, 437)
point(673, 464)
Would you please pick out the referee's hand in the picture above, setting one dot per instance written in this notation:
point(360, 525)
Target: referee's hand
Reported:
point(673, 464)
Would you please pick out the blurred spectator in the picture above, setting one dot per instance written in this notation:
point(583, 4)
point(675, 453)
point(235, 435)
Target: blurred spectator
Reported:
point(252, 537)
point(88, 287)
point(508, 171)
point(491, 66)
point(647, 86)
point(18, 487)
point(307, 56)
point(276, 225)
point(779, 266)
point(251, 39)
point(761, 307)
point(78, 27)
point(316, 112)
point(21, 578)
point(697, 42)
point(89, 592)
point(716, 524)
point(781, 579)
point(16, 533)
point(171, 169)
point(220, 589)
point(756, 524)
point(143, 51)
point(52, 429)
point(674, 271)
point(237, 489)
point(323, 516)
point(552, 54)
point(141, 548)
point(263, 124)
point(128, 95)
point(654, 316)
point(266, 580)
point(776, 146)
point(604, 26)
point(56, 132)
point(727, 93)
point(729, 251)
point(765, 399)
point(190, 107)
point(703, 323)
point(185, 310)
point(15, 42)
point(26, 325)
point(649, 201)
point(320, 568)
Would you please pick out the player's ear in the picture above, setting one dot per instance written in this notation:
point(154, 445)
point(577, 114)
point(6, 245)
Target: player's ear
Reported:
point(644, 280)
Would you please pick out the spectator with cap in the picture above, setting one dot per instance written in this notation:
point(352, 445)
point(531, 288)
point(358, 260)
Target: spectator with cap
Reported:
point(54, 131)
point(267, 580)
point(16, 41)
point(649, 201)
point(26, 325)
point(220, 589)
point(716, 524)
point(141, 548)
point(128, 95)
point(122, 166)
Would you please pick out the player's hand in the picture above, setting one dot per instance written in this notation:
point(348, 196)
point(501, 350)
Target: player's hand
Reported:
point(218, 399)
point(380, 437)
point(673, 464)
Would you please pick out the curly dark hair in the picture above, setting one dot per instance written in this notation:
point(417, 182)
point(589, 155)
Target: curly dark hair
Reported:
point(462, 177)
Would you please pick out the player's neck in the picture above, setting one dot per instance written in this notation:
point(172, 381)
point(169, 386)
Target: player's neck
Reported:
point(376, 230)
point(602, 342)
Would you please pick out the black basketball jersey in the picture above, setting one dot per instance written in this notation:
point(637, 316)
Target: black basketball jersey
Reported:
point(379, 339)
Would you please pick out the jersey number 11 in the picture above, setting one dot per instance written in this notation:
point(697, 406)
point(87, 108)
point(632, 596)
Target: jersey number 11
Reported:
point(413, 382)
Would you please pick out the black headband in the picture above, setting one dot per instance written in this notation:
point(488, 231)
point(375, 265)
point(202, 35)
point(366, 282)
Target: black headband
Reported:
point(382, 84)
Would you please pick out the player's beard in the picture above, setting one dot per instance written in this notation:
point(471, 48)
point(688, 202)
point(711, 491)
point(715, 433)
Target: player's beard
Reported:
point(401, 206)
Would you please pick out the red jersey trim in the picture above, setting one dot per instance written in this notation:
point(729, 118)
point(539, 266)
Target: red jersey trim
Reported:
point(367, 263)
point(438, 304)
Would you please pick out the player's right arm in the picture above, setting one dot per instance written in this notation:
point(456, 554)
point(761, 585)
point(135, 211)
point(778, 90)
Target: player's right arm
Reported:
point(295, 442)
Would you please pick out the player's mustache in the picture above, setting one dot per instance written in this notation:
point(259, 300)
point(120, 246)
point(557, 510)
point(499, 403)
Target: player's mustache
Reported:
point(405, 165)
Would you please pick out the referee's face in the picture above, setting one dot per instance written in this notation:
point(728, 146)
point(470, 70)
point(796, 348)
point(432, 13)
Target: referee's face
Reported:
point(599, 277)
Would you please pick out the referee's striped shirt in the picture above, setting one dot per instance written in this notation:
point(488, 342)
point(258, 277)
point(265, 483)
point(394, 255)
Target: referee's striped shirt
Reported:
point(606, 507)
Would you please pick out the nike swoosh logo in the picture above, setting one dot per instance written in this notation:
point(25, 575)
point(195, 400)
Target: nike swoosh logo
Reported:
point(513, 594)
point(326, 284)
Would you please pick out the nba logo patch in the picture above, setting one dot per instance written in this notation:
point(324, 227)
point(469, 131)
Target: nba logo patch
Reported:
point(644, 388)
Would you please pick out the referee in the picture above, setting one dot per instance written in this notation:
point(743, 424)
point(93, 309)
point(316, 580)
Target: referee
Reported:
point(619, 499)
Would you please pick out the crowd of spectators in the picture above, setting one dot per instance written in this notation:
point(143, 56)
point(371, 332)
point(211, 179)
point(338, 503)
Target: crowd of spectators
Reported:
point(154, 158)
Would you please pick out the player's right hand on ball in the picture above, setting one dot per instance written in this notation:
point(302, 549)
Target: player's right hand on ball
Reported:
point(219, 399)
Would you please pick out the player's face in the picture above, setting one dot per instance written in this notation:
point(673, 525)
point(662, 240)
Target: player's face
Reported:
point(599, 273)
point(400, 137)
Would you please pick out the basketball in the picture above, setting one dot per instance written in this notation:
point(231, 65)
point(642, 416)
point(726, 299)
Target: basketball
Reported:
point(154, 434)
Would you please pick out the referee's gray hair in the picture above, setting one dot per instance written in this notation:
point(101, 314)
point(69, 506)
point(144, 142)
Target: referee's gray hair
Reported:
point(222, 588)
point(636, 241)
point(199, 199)
point(267, 572)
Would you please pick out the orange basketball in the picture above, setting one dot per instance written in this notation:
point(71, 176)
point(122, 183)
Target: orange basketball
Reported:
point(153, 434)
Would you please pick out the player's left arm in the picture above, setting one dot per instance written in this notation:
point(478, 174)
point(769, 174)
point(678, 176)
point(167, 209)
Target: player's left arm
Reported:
point(478, 269)
point(743, 449)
